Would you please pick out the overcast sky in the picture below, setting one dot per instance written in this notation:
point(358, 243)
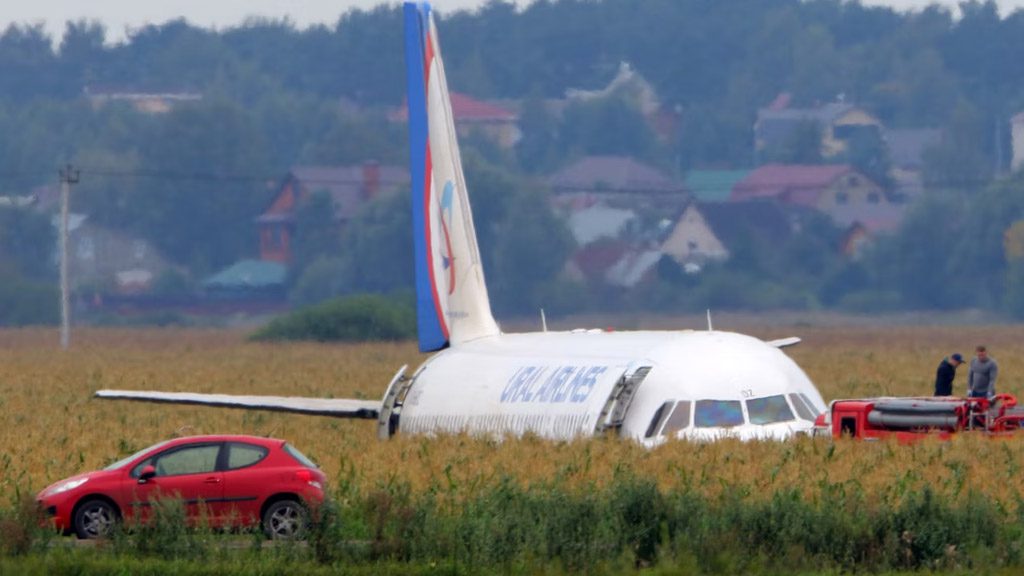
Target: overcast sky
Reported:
point(122, 15)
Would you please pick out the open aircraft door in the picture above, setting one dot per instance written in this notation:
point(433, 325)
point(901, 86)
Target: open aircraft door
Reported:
point(387, 421)
point(617, 405)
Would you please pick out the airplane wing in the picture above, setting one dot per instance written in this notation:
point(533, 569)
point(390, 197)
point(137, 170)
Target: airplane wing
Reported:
point(336, 407)
point(784, 342)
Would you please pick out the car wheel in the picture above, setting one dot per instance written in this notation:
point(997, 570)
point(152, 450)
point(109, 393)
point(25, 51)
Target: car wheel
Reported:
point(95, 518)
point(285, 520)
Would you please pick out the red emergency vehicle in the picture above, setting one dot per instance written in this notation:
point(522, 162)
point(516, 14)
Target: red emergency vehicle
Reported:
point(909, 419)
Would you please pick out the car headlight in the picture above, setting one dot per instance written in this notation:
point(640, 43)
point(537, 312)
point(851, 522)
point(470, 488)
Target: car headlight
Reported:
point(65, 486)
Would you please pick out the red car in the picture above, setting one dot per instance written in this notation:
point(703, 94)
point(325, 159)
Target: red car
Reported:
point(227, 481)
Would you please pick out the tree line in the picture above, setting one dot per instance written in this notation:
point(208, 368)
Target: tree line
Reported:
point(192, 180)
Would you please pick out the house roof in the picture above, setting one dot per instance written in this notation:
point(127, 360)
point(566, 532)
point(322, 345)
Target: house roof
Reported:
point(713, 185)
point(248, 274)
point(777, 122)
point(348, 186)
point(612, 174)
point(907, 146)
point(825, 114)
point(800, 182)
point(754, 220)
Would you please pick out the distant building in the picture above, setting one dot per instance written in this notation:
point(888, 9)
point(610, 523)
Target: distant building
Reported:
point(248, 280)
point(493, 121)
point(691, 239)
point(838, 190)
point(145, 102)
point(105, 261)
point(838, 121)
point(616, 181)
point(845, 195)
point(349, 187)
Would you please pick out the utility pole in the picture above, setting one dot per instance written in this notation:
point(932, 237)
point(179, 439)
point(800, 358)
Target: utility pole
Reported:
point(68, 176)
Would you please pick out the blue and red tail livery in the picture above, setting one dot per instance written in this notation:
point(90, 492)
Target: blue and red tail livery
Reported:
point(452, 305)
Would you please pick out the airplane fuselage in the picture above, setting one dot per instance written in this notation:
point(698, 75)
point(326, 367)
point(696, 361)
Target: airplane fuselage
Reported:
point(562, 385)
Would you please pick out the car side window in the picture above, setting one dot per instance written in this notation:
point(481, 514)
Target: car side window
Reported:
point(242, 455)
point(190, 460)
point(138, 467)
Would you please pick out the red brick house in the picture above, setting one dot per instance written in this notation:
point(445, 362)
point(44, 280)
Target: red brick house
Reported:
point(348, 187)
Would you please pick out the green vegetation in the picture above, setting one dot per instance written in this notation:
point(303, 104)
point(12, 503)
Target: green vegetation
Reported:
point(349, 319)
point(269, 96)
point(625, 525)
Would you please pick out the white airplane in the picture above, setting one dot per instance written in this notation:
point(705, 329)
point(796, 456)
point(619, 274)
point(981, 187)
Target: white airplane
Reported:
point(645, 385)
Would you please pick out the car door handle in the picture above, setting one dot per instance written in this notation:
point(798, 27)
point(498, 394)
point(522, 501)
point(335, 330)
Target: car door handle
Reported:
point(211, 481)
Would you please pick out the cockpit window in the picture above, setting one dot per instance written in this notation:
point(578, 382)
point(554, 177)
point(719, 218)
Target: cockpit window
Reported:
point(769, 410)
point(659, 416)
point(810, 405)
point(802, 409)
point(679, 419)
point(718, 413)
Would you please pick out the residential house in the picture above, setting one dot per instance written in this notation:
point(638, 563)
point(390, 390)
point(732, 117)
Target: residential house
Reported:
point(104, 261)
point(838, 121)
point(617, 181)
point(838, 190)
point(349, 187)
point(473, 117)
point(714, 231)
point(701, 234)
point(692, 241)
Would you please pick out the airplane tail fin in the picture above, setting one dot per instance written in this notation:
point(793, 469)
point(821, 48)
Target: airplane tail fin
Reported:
point(452, 305)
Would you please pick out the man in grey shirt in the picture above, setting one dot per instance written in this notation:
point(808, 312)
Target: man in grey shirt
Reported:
point(981, 381)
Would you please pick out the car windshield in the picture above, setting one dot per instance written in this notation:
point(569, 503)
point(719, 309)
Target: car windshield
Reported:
point(126, 460)
point(294, 453)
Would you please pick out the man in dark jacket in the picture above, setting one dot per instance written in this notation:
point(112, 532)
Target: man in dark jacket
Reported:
point(946, 373)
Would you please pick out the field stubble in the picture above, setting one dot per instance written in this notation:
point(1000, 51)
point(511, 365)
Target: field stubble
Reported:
point(50, 427)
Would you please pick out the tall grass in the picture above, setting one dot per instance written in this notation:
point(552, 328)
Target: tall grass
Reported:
point(472, 503)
